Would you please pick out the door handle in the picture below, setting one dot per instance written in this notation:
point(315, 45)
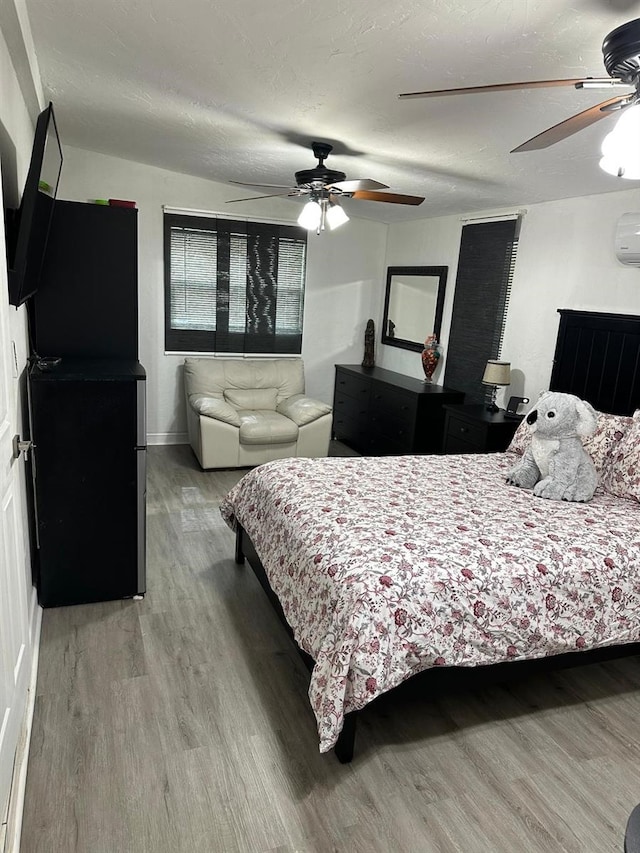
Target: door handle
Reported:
point(21, 445)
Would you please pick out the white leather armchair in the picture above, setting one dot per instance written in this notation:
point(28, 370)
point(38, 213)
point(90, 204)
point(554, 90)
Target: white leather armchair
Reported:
point(243, 411)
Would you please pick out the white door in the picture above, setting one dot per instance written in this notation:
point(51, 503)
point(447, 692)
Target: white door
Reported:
point(15, 651)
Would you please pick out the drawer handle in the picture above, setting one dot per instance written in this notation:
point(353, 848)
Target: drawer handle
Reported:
point(464, 429)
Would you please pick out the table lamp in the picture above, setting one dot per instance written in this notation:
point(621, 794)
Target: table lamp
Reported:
point(495, 373)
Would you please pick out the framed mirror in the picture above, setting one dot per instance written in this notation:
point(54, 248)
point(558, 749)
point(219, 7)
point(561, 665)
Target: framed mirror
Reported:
point(413, 305)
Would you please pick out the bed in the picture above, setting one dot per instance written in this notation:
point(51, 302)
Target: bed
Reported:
point(387, 567)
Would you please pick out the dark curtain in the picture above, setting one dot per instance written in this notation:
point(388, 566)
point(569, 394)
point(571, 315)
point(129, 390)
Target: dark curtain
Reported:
point(483, 285)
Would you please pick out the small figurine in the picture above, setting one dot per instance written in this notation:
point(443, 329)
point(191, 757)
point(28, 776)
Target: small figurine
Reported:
point(369, 340)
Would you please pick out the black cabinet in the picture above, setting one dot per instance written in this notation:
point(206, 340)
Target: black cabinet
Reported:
point(87, 409)
point(86, 305)
point(88, 465)
point(473, 429)
point(378, 412)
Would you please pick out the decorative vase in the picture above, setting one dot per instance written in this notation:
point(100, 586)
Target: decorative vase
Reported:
point(430, 357)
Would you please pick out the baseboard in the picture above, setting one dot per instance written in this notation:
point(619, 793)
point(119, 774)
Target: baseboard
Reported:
point(156, 438)
point(19, 783)
point(35, 620)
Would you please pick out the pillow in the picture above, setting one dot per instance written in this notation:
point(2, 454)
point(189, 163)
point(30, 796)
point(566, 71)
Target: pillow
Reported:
point(521, 439)
point(602, 445)
point(251, 398)
point(302, 410)
point(214, 407)
point(622, 474)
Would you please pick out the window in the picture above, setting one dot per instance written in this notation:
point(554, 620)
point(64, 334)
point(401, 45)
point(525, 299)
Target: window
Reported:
point(233, 286)
point(483, 285)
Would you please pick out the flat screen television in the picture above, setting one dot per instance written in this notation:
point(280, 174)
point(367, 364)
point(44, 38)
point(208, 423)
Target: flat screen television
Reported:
point(28, 227)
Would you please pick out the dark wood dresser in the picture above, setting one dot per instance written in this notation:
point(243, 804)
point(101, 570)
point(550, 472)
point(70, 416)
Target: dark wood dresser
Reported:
point(378, 412)
point(472, 429)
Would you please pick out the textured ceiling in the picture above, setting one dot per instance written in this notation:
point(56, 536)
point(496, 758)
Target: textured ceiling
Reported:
point(238, 89)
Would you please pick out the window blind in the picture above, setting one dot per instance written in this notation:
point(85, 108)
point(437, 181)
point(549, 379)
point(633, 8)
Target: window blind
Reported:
point(233, 286)
point(483, 285)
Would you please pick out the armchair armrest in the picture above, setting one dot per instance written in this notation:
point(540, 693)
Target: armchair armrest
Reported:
point(302, 410)
point(213, 407)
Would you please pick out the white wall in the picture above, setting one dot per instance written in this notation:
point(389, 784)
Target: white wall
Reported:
point(344, 273)
point(565, 259)
point(425, 242)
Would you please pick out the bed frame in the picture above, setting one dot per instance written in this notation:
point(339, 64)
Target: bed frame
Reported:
point(597, 358)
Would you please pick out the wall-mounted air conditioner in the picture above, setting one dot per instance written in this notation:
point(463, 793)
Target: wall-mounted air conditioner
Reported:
point(627, 242)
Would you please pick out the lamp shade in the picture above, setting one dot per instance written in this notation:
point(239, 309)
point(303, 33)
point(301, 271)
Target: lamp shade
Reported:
point(310, 216)
point(497, 373)
point(621, 147)
point(336, 216)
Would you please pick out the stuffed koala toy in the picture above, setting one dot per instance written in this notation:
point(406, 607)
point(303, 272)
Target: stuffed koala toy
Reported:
point(556, 465)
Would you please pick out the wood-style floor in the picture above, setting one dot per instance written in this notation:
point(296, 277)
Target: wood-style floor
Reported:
point(180, 724)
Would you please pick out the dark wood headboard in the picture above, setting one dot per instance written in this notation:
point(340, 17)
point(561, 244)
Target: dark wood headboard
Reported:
point(597, 358)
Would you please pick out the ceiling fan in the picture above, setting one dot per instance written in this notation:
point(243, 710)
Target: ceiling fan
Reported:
point(621, 50)
point(325, 187)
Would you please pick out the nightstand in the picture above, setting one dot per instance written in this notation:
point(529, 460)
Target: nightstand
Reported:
point(472, 429)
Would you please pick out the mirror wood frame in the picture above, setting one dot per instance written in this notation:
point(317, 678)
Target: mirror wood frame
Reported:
point(430, 328)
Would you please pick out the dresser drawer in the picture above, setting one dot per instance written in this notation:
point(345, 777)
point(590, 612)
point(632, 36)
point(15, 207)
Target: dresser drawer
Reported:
point(352, 386)
point(475, 429)
point(389, 401)
point(351, 432)
point(466, 431)
point(382, 445)
point(397, 427)
point(457, 444)
point(349, 407)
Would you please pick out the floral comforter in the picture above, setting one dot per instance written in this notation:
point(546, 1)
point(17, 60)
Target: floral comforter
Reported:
point(388, 566)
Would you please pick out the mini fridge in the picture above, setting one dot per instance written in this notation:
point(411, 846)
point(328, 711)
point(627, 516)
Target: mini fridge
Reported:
point(89, 473)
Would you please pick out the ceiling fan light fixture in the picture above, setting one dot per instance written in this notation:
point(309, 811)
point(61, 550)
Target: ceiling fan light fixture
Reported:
point(310, 216)
point(323, 187)
point(336, 216)
point(621, 147)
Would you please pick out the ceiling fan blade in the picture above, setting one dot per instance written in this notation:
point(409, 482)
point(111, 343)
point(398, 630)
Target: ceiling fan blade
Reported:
point(391, 198)
point(569, 126)
point(273, 195)
point(353, 186)
point(505, 87)
point(266, 186)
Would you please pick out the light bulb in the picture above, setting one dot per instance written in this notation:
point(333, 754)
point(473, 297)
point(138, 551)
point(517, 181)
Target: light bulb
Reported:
point(310, 216)
point(336, 216)
point(621, 147)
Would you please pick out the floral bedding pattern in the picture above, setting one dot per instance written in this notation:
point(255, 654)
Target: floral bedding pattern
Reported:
point(622, 476)
point(388, 566)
